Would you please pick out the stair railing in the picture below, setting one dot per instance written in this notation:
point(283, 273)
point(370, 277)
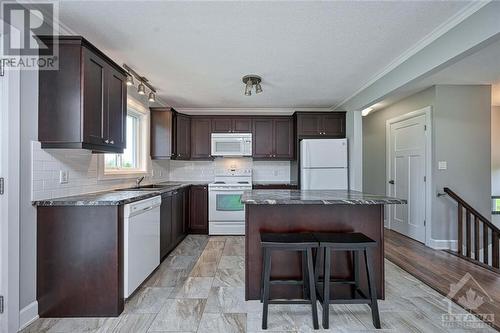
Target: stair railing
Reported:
point(479, 234)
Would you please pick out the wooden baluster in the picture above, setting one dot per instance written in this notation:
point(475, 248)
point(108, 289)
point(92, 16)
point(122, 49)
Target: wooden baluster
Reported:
point(460, 229)
point(494, 255)
point(485, 243)
point(476, 238)
point(468, 250)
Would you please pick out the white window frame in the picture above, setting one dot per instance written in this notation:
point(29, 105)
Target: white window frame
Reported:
point(138, 109)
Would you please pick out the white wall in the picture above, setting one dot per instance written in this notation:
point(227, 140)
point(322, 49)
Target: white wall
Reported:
point(461, 136)
point(495, 150)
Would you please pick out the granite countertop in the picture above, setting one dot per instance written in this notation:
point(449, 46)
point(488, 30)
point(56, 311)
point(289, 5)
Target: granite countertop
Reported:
point(114, 197)
point(315, 197)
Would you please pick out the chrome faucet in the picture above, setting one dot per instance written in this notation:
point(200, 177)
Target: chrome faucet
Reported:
point(138, 181)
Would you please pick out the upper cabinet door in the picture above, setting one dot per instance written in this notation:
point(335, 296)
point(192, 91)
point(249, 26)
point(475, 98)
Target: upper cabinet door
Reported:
point(283, 139)
point(262, 138)
point(94, 99)
point(117, 108)
point(308, 124)
point(200, 138)
point(161, 133)
point(333, 124)
point(221, 125)
point(183, 137)
point(242, 125)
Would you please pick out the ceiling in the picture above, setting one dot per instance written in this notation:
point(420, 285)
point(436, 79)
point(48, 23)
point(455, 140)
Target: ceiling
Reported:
point(481, 67)
point(310, 54)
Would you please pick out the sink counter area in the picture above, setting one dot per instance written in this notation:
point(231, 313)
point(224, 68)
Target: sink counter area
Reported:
point(116, 197)
point(284, 211)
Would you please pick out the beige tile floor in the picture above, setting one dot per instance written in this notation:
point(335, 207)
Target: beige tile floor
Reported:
point(200, 288)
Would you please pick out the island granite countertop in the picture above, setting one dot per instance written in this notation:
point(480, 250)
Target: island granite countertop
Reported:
point(315, 197)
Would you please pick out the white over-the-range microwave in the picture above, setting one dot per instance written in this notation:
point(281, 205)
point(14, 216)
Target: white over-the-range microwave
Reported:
point(231, 144)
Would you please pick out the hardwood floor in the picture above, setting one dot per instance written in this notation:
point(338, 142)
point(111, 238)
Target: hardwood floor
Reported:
point(440, 270)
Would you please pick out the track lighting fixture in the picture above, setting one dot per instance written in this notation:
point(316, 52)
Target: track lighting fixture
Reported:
point(130, 80)
point(143, 83)
point(141, 89)
point(151, 97)
point(250, 81)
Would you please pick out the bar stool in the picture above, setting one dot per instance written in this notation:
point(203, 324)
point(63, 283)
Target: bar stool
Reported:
point(357, 243)
point(302, 242)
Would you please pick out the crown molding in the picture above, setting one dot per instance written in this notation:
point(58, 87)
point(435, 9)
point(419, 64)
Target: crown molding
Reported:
point(443, 28)
point(245, 111)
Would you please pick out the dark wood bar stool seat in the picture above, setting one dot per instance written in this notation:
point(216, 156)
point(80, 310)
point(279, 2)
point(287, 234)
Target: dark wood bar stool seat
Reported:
point(357, 243)
point(301, 242)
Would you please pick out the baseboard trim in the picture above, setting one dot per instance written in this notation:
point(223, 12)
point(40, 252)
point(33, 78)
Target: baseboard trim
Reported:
point(28, 314)
point(443, 244)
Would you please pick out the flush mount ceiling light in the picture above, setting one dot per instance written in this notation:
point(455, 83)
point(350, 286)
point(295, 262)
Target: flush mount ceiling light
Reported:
point(143, 83)
point(250, 81)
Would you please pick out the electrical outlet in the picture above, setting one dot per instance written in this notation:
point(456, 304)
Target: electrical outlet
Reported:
point(276, 173)
point(442, 165)
point(63, 176)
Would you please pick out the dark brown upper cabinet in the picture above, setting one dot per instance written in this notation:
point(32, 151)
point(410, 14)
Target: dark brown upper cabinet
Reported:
point(237, 124)
point(321, 124)
point(83, 104)
point(201, 128)
point(161, 131)
point(273, 138)
point(181, 149)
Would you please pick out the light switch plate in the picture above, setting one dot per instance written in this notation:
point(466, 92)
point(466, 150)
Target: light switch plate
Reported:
point(442, 165)
point(63, 176)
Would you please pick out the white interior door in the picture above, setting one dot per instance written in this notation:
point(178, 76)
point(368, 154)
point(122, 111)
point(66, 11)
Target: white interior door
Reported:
point(407, 170)
point(9, 199)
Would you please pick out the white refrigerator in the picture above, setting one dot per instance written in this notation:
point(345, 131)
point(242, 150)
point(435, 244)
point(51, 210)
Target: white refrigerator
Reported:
point(324, 164)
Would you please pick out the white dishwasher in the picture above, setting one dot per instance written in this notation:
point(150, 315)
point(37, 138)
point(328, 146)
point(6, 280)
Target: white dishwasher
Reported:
point(141, 241)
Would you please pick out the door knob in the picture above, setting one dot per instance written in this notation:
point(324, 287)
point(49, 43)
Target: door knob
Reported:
point(391, 182)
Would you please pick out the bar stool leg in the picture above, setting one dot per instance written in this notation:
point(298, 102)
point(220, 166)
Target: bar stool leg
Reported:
point(305, 283)
point(267, 282)
point(326, 289)
point(372, 288)
point(317, 266)
point(355, 260)
point(312, 288)
point(264, 250)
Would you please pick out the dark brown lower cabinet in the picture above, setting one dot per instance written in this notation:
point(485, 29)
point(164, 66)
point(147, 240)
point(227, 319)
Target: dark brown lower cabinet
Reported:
point(173, 220)
point(198, 209)
point(80, 261)
point(179, 215)
point(166, 218)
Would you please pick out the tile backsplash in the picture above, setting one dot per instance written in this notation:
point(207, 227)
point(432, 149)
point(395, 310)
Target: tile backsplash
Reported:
point(81, 166)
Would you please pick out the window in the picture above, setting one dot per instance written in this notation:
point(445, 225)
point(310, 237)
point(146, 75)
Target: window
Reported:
point(133, 160)
point(129, 160)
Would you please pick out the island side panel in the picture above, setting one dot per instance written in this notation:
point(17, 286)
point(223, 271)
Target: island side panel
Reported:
point(80, 261)
point(368, 219)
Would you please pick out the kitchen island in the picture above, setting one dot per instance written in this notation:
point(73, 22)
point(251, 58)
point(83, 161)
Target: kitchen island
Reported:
point(311, 211)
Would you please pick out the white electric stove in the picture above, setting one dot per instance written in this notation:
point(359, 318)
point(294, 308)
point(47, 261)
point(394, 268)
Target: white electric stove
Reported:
point(226, 213)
